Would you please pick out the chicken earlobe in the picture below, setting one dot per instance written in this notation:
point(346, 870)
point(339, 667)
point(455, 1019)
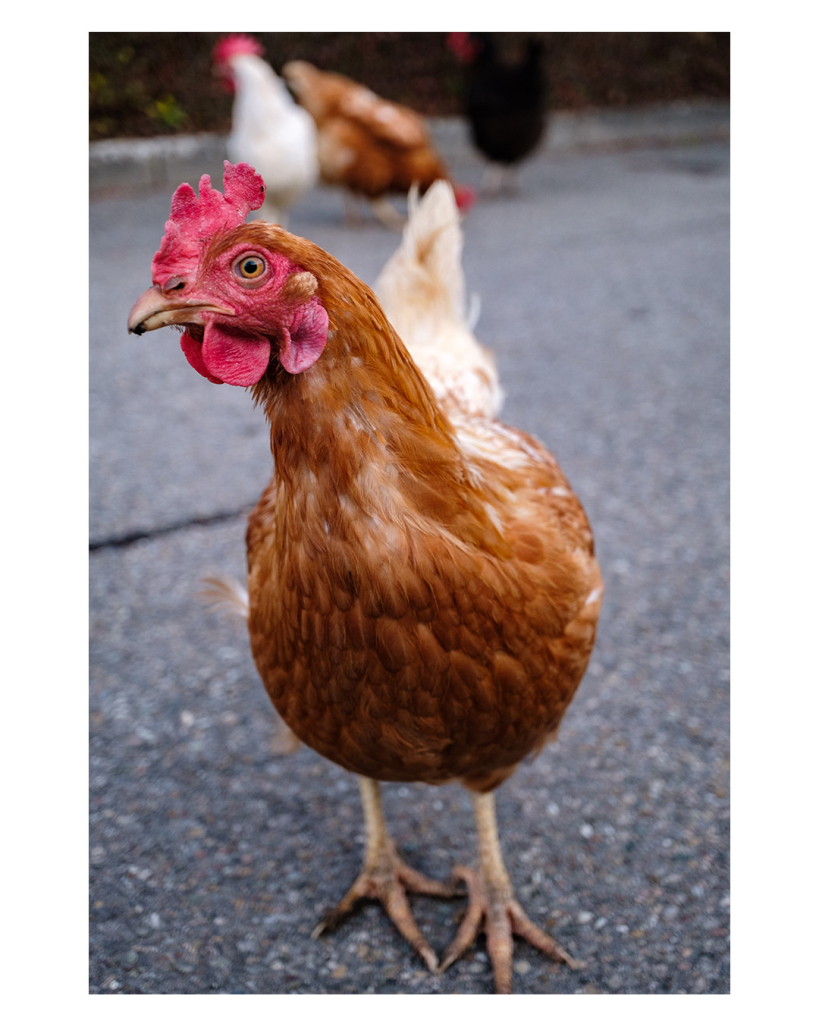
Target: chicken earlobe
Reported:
point(386, 878)
point(304, 342)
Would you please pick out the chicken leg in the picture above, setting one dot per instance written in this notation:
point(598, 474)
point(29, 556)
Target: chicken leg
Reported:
point(492, 903)
point(381, 207)
point(385, 877)
point(498, 179)
point(387, 214)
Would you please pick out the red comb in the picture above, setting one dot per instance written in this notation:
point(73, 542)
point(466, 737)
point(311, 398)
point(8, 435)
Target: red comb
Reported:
point(194, 221)
point(463, 46)
point(229, 46)
point(465, 197)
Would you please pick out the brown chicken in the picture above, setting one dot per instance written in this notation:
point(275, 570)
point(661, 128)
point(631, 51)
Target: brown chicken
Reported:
point(366, 144)
point(423, 599)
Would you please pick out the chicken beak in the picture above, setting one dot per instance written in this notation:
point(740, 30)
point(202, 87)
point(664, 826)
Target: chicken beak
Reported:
point(155, 308)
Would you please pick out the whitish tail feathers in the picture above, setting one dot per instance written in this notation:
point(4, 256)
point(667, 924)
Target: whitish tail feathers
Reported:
point(225, 594)
point(423, 293)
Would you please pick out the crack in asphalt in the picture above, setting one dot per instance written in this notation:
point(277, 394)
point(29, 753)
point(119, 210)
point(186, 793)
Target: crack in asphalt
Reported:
point(127, 539)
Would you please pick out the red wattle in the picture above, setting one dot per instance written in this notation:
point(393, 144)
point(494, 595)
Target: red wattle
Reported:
point(234, 356)
point(193, 353)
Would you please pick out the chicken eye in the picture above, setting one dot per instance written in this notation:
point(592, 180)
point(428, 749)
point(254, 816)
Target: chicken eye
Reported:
point(250, 267)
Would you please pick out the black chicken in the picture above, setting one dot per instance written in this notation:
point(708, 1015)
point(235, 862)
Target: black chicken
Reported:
point(506, 103)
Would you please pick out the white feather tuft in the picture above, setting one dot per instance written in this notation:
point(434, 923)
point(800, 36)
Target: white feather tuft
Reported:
point(225, 594)
point(423, 292)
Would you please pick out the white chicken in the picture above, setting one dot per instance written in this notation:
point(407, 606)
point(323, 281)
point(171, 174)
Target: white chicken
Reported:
point(269, 130)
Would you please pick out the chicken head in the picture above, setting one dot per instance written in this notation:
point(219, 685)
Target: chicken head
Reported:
point(225, 290)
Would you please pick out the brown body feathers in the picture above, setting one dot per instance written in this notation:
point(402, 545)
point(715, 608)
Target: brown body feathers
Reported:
point(423, 590)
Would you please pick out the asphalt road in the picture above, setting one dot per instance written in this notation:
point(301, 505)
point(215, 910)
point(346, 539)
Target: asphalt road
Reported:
point(604, 291)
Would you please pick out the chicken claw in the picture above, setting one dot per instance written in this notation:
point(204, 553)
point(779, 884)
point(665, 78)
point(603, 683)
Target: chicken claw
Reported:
point(386, 878)
point(492, 904)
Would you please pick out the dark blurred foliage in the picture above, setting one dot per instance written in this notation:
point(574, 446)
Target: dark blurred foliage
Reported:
point(157, 83)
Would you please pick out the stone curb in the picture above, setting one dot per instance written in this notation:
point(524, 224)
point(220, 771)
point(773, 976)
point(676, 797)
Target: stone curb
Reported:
point(157, 161)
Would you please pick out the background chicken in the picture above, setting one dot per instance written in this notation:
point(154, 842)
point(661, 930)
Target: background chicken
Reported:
point(505, 103)
point(269, 130)
point(369, 146)
point(422, 602)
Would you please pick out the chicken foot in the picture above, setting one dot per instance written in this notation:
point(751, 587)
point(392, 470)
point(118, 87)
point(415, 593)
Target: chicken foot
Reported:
point(381, 207)
point(498, 179)
point(385, 877)
point(492, 904)
point(387, 214)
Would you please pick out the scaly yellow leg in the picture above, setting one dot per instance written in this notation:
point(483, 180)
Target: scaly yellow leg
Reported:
point(492, 904)
point(385, 877)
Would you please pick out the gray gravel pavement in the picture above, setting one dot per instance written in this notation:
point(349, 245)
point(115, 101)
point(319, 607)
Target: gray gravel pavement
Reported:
point(604, 293)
